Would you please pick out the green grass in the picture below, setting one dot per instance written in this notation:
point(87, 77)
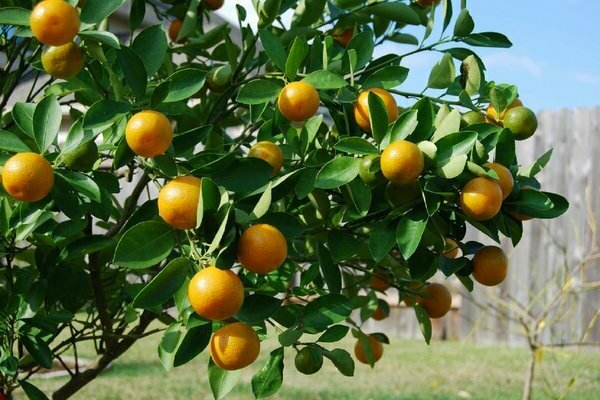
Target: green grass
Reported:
point(408, 370)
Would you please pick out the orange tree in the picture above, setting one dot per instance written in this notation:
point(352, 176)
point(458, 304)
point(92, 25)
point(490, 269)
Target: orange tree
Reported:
point(286, 188)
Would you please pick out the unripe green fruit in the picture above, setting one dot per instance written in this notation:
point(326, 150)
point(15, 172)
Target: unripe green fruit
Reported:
point(471, 118)
point(398, 195)
point(368, 177)
point(219, 78)
point(309, 360)
point(521, 121)
point(82, 158)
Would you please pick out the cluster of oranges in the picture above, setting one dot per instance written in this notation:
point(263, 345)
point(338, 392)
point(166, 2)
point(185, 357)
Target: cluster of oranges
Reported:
point(217, 294)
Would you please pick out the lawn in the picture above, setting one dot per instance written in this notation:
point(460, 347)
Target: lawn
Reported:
point(408, 370)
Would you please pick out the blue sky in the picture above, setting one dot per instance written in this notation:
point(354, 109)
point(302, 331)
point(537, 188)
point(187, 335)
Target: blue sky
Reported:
point(555, 58)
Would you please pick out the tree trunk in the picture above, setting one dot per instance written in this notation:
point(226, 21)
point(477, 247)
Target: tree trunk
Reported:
point(528, 384)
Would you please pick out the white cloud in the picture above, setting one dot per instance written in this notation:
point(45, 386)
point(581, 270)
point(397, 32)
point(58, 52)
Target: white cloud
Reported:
point(508, 60)
point(586, 78)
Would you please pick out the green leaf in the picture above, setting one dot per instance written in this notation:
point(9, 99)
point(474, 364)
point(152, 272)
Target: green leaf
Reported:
point(104, 37)
point(449, 124)
point(296, 56)
point(221, 381)
point(86, 245)
point(164, 285)
point(134, 70)
point(455, 144)
point(452, 167)
point(443, 73)
point(268, 11)
point(10, 142)
point(410, 230)
point(308, 12)
point(388, 77)
point(404, 38)
point(94, 11)
point(424, 322)
point(378, 117)
point(470, 75)
point(447, 14)
point(363, 46)
point(258, 92)
point(257, 308)
point(355, 145)
point(324, 79)
point(337, 172)
point(46, 122)
point(324, 311)
point(136, 14)
point(168, 345)
point(537, 166)
point(82, 184)
point(425, 116)
point(104, 113)
point(382, 239)
point(151, 47)
point(183, 84)
point(488, 39)
point(290, 336)
point(334, 334)
point(32, 392)
point(38, 349)
point(192, 343)
point(505, 149)
point(274, 48)
point(464, 23)
point(144, 245)
point(23, 116)
point(14, 16)
point(342, 360)
point(395, 11)
point(331, 272)
point(404, 126)
point(269, 378)
point(76, 137)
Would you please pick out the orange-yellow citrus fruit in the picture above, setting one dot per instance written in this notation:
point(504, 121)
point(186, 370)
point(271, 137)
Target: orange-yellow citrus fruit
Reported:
point(402, 162)
point(213, 4)
point(269, 152)
point(505, 178)
point(298, 101)
point(262, 248)
point(492, 116)
point(362, 114)
point(27, 177)
point(490, 265)
point(54, 22)
point(343, 35)
point(174, 30)
point(63, 62)
point(149, 133)
point(376, 350)
point(481, 199)
point(216, 294)
point(436, 300)
point(452, 249)
point(234, 346)
point(178, 202)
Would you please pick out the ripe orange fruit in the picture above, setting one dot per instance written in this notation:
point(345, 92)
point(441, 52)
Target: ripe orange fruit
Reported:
point(492, 116)
point(436, 300)
point(362, 114)
point(216, 294)
point(213, 4)
point(428, 3)
point(309, 360)
point(178, 202)
point(63, 62)
point(402, 162)
point(505, 178)
point(409, 298)
point(376, 350)
point(452, 249)
point(379, 314)
point(298, 101)
point(490, 265)
point(234, 346)
point(261, 249)
point(481, 199)
point(54, 22)
point(27, 177)
point(269, 152)
point(521, 121)
point(149, 133)
point(378, 283)
point(343, 35)
point(174, 30)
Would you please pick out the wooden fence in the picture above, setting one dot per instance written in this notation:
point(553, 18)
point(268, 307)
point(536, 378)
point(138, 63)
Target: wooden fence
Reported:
point(548, 248)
